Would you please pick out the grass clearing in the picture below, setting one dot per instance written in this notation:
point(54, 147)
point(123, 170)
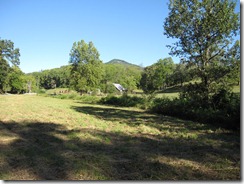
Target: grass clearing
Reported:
point(47, 138)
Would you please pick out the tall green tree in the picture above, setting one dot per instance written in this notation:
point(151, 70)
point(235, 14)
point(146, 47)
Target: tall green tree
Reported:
point(8, 56)
point(179, 75)
point(16, 81)
point(234, 58)
point(31, 84)
point(203, 30)
point(8, 52)
point(4, 71)
point(154, 76)
point(56, 77)
point(148, 81)
point(87, 69)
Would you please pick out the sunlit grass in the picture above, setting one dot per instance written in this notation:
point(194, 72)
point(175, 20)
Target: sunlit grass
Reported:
point(49, 138)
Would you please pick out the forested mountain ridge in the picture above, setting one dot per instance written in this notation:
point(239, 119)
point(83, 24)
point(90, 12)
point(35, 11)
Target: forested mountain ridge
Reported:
point(113, 61)
point(115, 71)
point(123, 62)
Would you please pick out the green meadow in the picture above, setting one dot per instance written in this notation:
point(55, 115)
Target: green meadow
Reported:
point(48, 138)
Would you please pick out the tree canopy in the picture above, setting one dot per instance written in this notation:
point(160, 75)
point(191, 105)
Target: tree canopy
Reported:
point(8, 56)
point(154, 76)
point(87, 69)
point(203, 30)
point(8, 52)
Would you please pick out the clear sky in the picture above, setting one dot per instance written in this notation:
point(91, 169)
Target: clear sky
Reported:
point(45, 30)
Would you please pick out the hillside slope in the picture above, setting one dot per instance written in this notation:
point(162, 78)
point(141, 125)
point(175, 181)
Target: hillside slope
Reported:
point(122, 62)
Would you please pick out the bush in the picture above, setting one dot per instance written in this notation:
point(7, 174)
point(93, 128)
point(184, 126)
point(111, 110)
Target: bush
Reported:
point(226, 114)
point(41, 91)
point(171, 107)
point(197, 94)
point(88, 99)
point(124, 100)
point(72, 96)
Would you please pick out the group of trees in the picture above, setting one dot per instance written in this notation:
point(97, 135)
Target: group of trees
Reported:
point(157, 76)
point(203, 31)
point(11, 77)
point(85, 73)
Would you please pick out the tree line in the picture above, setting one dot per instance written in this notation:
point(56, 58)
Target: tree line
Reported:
point(86, 72)
point(204, 31)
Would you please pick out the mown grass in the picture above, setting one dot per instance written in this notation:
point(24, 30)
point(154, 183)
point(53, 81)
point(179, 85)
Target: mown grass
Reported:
point(48, 138)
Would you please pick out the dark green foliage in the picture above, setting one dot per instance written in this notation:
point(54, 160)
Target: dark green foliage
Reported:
point(229, 104)
point(195, 94)
point(123, 101)
point(224, 111)
point(16, 81)
point(154, 77)
point(180, 75)
point(9, 56)
point(204, 30)
point(4, 70)
point(148, 81)
point(53, 78)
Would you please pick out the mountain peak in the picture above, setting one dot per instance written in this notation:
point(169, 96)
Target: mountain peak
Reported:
point(122, 62)
point(118, 61)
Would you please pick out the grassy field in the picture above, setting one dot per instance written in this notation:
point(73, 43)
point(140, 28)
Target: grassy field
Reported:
point(174, 92)
point(47, 138)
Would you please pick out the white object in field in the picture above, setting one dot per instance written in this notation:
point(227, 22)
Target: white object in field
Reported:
point(119, 87)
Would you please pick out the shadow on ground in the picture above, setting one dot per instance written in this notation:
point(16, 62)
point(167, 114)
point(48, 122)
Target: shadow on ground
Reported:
point(135, 118)
point(49, 151)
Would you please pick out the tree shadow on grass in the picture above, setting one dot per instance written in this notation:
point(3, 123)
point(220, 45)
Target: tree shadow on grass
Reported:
point(135, 118)
point(49, 151)
point(34, 147)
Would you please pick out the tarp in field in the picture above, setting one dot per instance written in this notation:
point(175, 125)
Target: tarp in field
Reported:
point(119, 87)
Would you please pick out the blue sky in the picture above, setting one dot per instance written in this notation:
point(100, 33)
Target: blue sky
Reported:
point(45, 30)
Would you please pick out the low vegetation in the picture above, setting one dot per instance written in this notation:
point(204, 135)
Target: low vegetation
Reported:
point(223, 110)
point(48, 138)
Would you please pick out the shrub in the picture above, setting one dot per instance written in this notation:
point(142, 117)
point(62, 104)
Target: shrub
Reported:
point(171, 107)
point(88, 99)
point(225, 115)
point(41, 91)
point(196, 94)
point(72, 96)
point(124, 100)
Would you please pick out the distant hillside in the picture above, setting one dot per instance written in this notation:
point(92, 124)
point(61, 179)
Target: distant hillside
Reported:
point(122, 62)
